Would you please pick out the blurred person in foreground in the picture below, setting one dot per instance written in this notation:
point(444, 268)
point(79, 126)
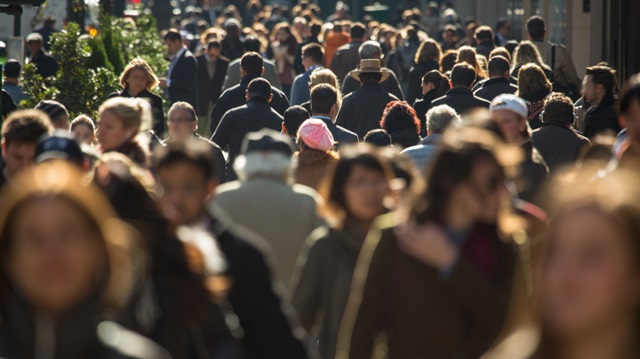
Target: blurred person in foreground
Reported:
point(265, 201)
point(436, 277)
point(68, 271)
point(20, 134)
point(354, 195)
point(186, 176)
point(628, 151)
point(587, 275)
point(57, 113)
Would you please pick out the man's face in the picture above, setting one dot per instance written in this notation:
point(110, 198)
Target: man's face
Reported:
point(17, 157)
point(505, 30)
point(181, 125)
point(35, 47)
point(172, 46)
point(592, 92)
point(213, 53)
point(450, 36)
point(182, 190)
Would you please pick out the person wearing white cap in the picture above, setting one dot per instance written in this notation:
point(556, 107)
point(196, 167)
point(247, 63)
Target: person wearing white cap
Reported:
point(510, 113)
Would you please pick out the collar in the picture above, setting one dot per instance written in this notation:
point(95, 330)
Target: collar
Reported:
point(244, 82)
point(459, 90)
point(496, 80)
point(326, 119)
point(312, 68)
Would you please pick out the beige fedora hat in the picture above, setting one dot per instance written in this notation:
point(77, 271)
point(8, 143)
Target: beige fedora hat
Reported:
point(370, 66)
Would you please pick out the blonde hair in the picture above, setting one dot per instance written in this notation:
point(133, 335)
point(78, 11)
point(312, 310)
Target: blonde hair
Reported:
point(527, 53)
point(134, 113)
point(468, 54)
point(326, 76)
point(140, 64)
point(428, 50)
point(531, 78)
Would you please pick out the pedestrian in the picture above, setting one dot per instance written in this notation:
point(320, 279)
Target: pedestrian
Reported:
point(484, 40)
point(138, 80)
point(57, 113)
point(315, 28)
point(11, 81)
point(265, 201)
point(600, 90)
point(434, 85)
point(332, 42)
point(347, 57)
point(582, 310)
point(315, 154)
point(527, 53)
point(439, 266)
point(533, 87)
point(234, 71)
point(503, 32)
point(556, 141)
point(122, 123)
point(20, 134)
point(371, 50)
point(439, 119)
point(427, 59)
point(212, 69)
point(361, 110)
point(46, 65)
point(232, 44)
point(325, 105)
point(449, 38)
point(499, 81)
point(83, 130)
point(284, 45)
point(322, 76)
point(312, 55)
point(401, 122)
point(48, 28)
point(320, 289)
point(181, 80)
point(293, 118)
point(510, 112)
point(252, 66)
point(460, 97)
point(468, 54)
point(72, 292)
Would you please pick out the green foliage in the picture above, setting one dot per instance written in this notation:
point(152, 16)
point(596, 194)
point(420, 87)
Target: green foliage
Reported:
point(35, 86)
point(98, 56)
point(111, 40)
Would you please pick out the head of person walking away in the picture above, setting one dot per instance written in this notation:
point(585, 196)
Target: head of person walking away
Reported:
point(536, 28)
point(138, 77)
point(57, 112)
point(182, 121)
point(370, 72)
point(294, 116)
point(83, 129)
point(401, 122)
point(67, 262)
point(265, 154)
point(324, 101)
point(378, 138)
point(534, 87)
point(468, 54)
point(587, 274)
point(315, 155)
point(20, 134)
point(121, 126)
point(527, 53)
point(251, 65)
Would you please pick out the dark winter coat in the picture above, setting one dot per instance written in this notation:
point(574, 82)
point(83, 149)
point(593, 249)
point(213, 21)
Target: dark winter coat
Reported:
point(462, 100)
point(414, 89)
point(361, 110)
point(559, 145)
point(184, 80)
point(209, 89)
point(491, 88)
point(601, 118)
point(533, 173)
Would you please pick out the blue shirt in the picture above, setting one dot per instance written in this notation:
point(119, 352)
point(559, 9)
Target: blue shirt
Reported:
point(300, 87)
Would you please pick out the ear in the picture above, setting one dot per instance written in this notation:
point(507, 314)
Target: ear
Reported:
point(3, 144)
point(334, 109)
point(284, 129)
point(270, 98)
point(212, 185)
point(262, 72)
point(243, 73)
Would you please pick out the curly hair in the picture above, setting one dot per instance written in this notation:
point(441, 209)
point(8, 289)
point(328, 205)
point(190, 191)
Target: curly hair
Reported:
point(398, 116)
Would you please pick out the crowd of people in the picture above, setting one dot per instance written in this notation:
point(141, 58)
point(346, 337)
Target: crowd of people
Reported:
point(326, 189)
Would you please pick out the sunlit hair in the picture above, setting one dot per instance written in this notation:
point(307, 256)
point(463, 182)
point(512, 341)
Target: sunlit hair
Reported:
point(83, 120)
point(59, 179)
point(428, 50)
point(326, 76)
point(398, 116)
point(526, 53)
point(274, 165)
point(134, 113)
point(468, 54)
point(531, 79)
point(140, 64)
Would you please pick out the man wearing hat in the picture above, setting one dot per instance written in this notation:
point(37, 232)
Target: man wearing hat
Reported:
point(361, 110)
point(45, 64)
point(510, 113)
point(265, 202)
point(57, 113)
point(255, 115)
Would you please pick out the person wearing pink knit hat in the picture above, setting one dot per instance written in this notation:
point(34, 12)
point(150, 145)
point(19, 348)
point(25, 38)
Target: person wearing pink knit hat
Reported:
point(315, 142)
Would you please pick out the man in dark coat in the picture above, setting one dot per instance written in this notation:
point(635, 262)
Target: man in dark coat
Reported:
point(324, 98)
point(484, 39)
point(183, 125)
point(460, 97)
point(361, 110)
point(181, 81)
point(347, 57)
point(371, 50)
point(212, 69)
point(558, 144)
point(252, 68)
point(601, 116)
point(499, 81)
point(262, 324)
point(232, 45)
point(45, 64)
point(255, 115)
point(315, 27)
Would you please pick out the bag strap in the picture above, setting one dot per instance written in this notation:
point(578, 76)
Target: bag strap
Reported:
point(553, 57)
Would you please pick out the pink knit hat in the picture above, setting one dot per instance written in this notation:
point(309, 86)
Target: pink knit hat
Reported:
point(315, 134)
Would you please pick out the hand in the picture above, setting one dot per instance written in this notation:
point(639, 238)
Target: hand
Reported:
point(162, 82)
point(427, 243)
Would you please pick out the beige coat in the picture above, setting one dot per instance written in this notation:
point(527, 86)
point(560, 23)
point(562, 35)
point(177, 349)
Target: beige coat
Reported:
point(564, 71)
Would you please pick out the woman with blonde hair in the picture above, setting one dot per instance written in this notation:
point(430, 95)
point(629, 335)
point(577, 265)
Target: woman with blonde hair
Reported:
point(468, 54)
point(534, 87)
point(122, 125)
point(138, 80)
point(527, 53)
point(427, 59)
point(67, 269)
point(323, 76)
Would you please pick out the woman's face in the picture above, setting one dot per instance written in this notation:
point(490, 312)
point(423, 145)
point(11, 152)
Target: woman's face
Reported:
point(282, 35)
point(588, 280)
point(364, 191)
point(111, 133)
point(482, 194)
point(83, 134)
point(56, 256)
point(511, 125)
point(137, 81)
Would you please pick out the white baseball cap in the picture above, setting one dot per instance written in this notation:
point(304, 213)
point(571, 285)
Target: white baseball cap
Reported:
point(511, 103)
